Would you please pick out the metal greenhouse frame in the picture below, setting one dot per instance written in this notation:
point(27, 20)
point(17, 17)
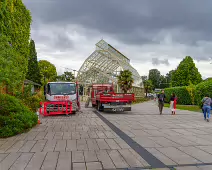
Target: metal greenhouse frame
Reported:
point(104, 64)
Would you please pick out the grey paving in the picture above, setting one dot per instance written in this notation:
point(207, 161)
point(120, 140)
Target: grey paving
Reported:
point(84, 141)
point(182, 141)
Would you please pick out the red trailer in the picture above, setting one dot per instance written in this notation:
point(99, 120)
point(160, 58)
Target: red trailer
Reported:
point(104, 98)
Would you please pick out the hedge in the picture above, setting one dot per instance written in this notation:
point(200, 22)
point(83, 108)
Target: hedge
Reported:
point(190, 95)
point(201, 90)
point(15, 117)
point(182, 94)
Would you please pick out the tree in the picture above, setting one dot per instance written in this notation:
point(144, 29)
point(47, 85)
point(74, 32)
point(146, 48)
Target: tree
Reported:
point(33, 73)
point(144, 78)
point(67, 76)
point(11, 70)
point(163, 83)
point(47, 70)
point(186, 73)
point(154, 76)
point(147, 86)
point(15, 21)
point(125, 80)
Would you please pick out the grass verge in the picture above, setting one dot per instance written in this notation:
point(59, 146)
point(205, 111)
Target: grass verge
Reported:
point(193, 108)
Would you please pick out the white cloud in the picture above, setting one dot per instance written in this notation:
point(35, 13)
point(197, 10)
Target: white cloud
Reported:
point(83, 44)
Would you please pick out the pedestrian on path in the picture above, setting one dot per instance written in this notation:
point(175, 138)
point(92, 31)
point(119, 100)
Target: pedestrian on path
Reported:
point(161, 98)
point(173, 104)
point(206, 107)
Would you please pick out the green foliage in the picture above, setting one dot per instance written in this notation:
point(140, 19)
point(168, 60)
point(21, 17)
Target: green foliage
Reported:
point(125, 80)
point(33, 73)
point(191, 95)
point(32, 101)
point(191, 91)
point(201, 90)
point(147, 86)
point(15, 21)
point(192, 108)
point(10, 104)
point(186, 73)
point(182, 94)
point(47, 70)
point(11, 66)
point(15, 118)
point(16, 123)
point(163, 82)
point(154, 76)
point(67, 76)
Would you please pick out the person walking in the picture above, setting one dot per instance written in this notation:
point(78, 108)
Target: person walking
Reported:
point(161, 98)
point(207, 107)
point(173, 104)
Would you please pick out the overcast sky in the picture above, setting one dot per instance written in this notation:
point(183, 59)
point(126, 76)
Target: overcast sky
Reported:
point(152, 33)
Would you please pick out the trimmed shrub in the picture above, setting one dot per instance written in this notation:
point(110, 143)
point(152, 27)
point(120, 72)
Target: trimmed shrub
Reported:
point(182, 93)
point(9, 104)
point(201, 90)
point(15, 118)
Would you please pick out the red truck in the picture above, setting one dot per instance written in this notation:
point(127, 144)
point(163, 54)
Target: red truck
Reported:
point(104, 98)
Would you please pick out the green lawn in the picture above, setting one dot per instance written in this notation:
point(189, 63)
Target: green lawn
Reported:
point(186, 107)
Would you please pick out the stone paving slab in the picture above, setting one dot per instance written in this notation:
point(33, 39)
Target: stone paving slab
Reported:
point(181, 139)
point(84, 141)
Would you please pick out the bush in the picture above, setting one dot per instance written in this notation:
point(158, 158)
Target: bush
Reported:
point(201, 90)
point(15, 118)
point(9, 104)
point(183, 94)
point(32, 101)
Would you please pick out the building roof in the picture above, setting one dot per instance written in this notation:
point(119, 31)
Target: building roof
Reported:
point(31, 82)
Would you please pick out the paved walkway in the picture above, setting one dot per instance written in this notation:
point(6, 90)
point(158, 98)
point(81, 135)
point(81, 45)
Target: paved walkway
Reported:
point(92, 141)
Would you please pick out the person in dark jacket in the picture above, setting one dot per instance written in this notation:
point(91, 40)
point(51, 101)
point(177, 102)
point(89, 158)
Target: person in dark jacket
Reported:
point(161, 98)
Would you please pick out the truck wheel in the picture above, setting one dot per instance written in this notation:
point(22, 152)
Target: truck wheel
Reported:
point(99, 107)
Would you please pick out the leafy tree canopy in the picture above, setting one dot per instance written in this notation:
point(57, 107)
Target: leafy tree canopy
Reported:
point(125, 80)
point(186, 73)
point(33, 73)
point(11, 68)
point(47, 70)
point(147, 86)
point(15, 21)
point(67, 76)
point(154, 76)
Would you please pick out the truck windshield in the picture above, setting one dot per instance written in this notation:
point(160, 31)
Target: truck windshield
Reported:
point(62, 88)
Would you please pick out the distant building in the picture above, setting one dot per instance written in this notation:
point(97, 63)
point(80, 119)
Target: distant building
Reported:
point(34, 85)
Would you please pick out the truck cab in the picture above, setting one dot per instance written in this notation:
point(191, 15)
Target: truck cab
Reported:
point(62, 91)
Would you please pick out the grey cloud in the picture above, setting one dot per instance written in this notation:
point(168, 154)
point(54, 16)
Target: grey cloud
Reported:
point(122, 18)
point(56, 39)
point(63, 42)
point(156, 61)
